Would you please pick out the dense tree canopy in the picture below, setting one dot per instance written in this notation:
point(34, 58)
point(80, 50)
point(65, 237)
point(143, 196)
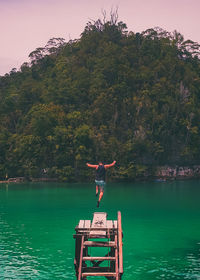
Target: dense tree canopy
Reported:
point(112, 94)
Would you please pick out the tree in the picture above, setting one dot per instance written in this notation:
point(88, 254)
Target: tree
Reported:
point(111, 94)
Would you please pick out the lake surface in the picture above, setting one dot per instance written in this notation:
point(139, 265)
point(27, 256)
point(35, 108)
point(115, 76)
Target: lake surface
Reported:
point(161, 225)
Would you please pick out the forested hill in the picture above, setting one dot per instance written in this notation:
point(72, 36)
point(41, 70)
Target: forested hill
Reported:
point(111, 95)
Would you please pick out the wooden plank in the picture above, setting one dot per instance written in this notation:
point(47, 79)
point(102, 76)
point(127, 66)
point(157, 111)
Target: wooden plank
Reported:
point(99, 258)
point(120, 242)
point(99, 244)
point(106, 274)
point(81, 258)
point(97, 235)
point(87, 224)
point(81, 224)
point(109, 224)
point(95, 228)
point(99, 220)
point(96, 264)
point(115, 224)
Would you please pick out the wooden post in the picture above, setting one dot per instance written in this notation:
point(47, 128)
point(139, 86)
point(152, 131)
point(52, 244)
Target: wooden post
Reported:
point(116, 260)
point(119, 219)
point(81, 258)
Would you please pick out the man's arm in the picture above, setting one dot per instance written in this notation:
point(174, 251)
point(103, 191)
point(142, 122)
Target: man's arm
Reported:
point(110, 165)
point(91, 165)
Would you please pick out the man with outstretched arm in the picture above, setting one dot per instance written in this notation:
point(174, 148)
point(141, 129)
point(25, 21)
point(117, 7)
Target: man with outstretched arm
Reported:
point(100, 177)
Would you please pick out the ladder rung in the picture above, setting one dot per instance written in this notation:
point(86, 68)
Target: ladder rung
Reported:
point(99, 244)
point(99, 258)
point(106, 274)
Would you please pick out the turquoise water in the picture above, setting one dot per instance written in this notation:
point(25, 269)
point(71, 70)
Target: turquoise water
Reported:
point(161, 225)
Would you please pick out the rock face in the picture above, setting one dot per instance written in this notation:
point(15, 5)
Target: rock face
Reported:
point(16, 180)
point(178, 172)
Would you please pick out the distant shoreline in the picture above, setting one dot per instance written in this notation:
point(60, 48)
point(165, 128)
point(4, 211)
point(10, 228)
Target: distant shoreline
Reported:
point(23, 180)
point(140, 179)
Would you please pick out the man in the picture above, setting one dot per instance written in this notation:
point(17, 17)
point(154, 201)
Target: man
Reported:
point(100, 177)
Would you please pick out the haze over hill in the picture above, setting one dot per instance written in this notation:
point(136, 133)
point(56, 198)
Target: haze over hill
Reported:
point(27, 25)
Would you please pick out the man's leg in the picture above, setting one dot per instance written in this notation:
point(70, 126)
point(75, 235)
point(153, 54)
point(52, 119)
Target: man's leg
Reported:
point(97, 190)
point(100, 196)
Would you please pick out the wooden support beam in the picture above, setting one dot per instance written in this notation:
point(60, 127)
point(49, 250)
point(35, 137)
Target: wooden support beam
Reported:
point(120, 242)
point(103, 228)
point(81, 259)
point(116, 260)
point(77, 253)
point(106, 274)
point(100, 261)
point(99, 244)
point(99, 258)
point(97, 269)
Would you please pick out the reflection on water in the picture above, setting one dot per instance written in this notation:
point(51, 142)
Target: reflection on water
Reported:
point(160, 223)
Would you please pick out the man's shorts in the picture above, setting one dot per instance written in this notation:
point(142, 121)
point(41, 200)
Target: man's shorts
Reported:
point(101, 184)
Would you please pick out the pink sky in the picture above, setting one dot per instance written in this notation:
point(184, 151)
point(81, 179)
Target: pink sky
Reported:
point(28, 24)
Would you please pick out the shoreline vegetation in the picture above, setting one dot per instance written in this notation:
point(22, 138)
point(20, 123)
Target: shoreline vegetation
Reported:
point(111, 94)
point(162, 174)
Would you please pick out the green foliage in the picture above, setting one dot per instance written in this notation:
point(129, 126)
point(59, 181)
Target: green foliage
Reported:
point(112, 94)
point(66, 173)
point(132, 171)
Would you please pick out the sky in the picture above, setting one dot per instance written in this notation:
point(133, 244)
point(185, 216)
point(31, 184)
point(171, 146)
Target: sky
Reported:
point(28, 24)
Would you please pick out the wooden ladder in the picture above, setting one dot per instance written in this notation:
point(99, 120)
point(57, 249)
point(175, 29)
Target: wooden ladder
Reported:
point(114, 256)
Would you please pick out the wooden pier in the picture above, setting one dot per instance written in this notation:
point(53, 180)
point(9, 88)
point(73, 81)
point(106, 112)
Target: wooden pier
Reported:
point(99, 233)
